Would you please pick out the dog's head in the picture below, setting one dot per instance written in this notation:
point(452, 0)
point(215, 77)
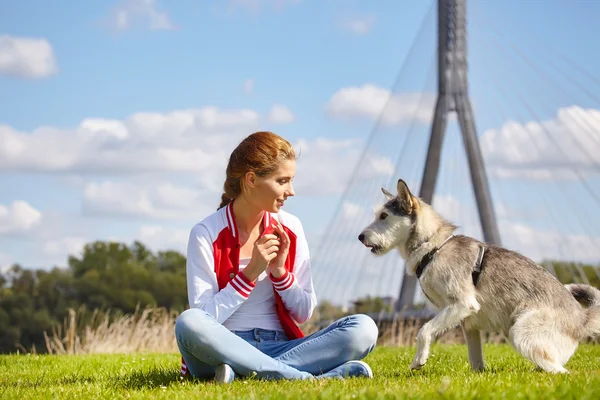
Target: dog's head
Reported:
point(393, 221)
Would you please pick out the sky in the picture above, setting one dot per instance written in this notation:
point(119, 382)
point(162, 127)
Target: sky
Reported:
point(117, 118)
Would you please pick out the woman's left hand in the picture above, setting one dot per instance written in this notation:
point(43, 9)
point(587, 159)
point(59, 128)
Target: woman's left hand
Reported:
point(277, 265)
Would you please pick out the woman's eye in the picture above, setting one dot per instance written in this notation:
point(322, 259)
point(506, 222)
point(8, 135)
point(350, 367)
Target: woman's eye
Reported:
point(383, 216)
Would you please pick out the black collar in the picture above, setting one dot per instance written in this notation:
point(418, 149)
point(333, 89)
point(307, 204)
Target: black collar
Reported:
point(427, 258)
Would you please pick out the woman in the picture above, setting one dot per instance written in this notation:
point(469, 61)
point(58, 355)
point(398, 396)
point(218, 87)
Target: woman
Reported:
point(249, 283)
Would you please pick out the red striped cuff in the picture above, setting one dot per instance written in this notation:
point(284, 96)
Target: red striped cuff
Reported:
point(242, 284)
point(283, 282)
point(184, 369)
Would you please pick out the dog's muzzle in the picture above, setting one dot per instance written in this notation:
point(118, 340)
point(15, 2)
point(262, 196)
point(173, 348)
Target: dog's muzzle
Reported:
point(374, 247)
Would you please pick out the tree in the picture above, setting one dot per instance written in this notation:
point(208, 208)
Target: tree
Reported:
point(108, 275)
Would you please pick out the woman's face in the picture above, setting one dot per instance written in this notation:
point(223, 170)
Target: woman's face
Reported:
point(269, 193)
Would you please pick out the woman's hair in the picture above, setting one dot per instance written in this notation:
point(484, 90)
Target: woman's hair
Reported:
point(261, 153)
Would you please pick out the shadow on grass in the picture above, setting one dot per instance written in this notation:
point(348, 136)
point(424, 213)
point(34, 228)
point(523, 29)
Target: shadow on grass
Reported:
point(440, 370)
point(152, 378)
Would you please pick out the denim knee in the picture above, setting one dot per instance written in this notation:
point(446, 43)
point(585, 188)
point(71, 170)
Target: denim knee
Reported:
point(364, 336)
point(190, 321)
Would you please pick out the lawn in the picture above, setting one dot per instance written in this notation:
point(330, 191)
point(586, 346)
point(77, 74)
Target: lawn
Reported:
point(446, 376)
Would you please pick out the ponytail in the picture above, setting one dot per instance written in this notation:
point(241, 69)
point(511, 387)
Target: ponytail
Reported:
point(232, 188)
point(224, 201)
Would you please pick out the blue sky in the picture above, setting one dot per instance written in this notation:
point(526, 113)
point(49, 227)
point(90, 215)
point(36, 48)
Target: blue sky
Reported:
point(116, 116)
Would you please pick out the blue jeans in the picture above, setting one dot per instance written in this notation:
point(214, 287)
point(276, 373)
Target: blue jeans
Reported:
point(204, 344)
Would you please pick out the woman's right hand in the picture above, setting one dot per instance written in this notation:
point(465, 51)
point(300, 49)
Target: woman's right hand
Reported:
point(265, 250)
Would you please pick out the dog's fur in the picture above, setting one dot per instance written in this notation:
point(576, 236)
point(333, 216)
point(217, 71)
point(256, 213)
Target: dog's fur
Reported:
point(543, 319)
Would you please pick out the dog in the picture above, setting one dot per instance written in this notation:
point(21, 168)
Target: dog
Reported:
point(482, 287)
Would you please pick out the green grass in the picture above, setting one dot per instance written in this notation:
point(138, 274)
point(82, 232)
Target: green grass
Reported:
point(446, 376)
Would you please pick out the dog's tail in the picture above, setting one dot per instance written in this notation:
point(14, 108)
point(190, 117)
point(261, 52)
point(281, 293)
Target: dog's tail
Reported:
point(589, 297)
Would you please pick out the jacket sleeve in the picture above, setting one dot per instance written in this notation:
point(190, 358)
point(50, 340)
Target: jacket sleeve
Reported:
point(202, 285)
point(296, 288)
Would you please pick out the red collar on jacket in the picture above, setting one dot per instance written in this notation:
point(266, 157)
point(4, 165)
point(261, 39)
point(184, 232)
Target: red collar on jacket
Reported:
point(268, 222)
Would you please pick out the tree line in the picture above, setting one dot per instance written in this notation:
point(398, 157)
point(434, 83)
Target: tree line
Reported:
point(108, 276)
point(119, 277)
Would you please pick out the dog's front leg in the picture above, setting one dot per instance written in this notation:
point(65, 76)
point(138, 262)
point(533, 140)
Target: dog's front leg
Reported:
point(473, 340)
point(448, 318)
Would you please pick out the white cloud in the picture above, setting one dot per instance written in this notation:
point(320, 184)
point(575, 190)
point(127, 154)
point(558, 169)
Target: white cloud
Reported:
point(360, 25)
point(373, 102)
point(18, 218)
point(542, 245)
point(160, 238)
point(154, 201)
point(186, 140)
point(545, 150)
point(280, 115)
point(324, 166)
point(144, 12)
point(248, 86)
point(25, 57)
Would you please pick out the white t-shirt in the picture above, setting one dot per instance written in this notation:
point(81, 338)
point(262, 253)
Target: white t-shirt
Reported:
point(258, 311)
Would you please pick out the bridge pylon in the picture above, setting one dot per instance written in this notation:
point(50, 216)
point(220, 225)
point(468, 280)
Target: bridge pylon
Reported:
point(453, 97)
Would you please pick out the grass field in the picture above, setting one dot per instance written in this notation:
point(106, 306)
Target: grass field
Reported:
point(446, 376)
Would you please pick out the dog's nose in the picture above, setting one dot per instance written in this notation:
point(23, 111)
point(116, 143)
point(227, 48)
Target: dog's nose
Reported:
point(361, 237)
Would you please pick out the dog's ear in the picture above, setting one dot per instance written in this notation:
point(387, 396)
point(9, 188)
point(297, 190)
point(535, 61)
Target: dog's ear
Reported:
point(404, 195)
point(387, 194)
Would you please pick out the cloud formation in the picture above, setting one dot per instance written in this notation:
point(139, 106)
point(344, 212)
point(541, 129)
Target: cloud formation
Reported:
point(26, 57)
point(373, 102)
point(561, 148)
point(18, 218)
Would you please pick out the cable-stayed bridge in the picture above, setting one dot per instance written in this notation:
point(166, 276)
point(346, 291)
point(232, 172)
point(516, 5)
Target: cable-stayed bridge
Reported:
point(514, 160)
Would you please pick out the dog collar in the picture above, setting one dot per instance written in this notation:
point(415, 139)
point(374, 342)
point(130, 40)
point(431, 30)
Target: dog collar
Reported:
point(427, 258)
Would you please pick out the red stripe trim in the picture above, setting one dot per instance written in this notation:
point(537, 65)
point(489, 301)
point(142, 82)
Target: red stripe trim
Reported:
point(285, 284)
point(242, 285)
point(288, 285)
point(245, 280)
point(238, 289)
point(230, 220)
point(280, 279)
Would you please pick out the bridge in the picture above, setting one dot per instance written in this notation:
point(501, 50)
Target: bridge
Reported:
point(514, 162)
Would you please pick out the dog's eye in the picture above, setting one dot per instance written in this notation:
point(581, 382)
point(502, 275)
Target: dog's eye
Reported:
point(383, 215)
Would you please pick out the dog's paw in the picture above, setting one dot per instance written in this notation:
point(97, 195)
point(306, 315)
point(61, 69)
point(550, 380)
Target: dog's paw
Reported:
point(416, 365)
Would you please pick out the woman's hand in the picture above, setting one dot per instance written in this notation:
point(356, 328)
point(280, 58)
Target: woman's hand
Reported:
point(265, 250)
point(277, 265)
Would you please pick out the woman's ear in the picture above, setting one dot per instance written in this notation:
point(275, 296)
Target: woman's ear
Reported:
point(250, 179)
